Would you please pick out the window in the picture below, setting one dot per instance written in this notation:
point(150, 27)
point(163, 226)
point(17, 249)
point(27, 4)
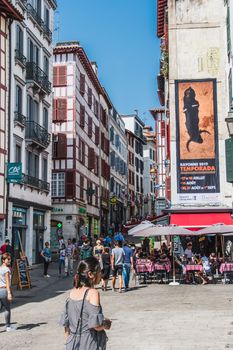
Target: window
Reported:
point(46, 17)
point(60, 146)
point(112, 135)
point(82, 84)
point(19, 39)
point(32, 164)
point(230, 88)
point(89, 131)
point(46, 66)
point(151, 154)
point(58, 185)
point(97, 135)
point(81, 193)
point(45, 169)
point(60, 75)
point(96, 195)
point(45, 118)
point(81, 153)
point(59, 110)
point(89, 99)
point(32, 109)
point(33, 52)
point(82, 116)
point(18, 99)
point(18, 150)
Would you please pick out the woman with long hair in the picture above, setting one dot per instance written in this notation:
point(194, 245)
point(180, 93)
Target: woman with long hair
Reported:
point(5, 289)
point(83, 318)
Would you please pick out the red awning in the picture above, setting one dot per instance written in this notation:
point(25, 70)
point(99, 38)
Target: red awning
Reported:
point(200, 220)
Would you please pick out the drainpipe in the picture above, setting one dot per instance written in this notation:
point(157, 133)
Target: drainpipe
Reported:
point(8, 125)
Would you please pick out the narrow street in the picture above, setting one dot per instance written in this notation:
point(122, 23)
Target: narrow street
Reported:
point(155, 317)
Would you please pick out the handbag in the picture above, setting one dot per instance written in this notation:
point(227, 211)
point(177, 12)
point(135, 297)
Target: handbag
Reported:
point(79, 324)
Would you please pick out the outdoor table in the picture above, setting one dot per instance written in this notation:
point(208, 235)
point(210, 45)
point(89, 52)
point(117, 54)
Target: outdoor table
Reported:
point(190, 268)
point(143, 266)
point(226, 267)
point(160, 267)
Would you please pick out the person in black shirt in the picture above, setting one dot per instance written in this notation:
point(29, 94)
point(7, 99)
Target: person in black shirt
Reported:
point(106, 267)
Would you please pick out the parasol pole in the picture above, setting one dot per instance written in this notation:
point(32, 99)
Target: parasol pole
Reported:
point(173, 283)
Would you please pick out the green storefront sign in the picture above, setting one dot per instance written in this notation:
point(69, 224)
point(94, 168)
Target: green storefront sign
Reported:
point(14, 172)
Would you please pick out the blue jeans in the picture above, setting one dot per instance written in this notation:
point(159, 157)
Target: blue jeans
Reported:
point(61, 263)
point(126, 274)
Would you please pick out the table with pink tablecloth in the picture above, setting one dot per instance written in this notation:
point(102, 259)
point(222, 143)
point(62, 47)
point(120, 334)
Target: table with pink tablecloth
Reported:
point(144, 266)
point(189, 268)
point(226, 267)
point(162, 267)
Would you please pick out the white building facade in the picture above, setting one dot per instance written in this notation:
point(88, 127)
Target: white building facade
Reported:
point(29, 201)
point(118, 170)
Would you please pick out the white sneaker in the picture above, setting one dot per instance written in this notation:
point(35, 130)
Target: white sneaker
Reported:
point(47, 276)
point(10, 329)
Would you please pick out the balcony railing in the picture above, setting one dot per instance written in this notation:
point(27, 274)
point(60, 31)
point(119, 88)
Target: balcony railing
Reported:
point(35, 133)
point(38, 76)
point(47, 32)
point(36, 183)
point(20, 57)
point(34, 15)
point(20, 118)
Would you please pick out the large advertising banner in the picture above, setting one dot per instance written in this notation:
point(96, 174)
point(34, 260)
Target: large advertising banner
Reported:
point(197, 140)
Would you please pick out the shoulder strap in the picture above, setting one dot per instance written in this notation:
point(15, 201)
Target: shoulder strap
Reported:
point(81, 314)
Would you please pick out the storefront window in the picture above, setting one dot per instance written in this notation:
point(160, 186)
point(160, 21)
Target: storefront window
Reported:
point(38, 219)
point(19, 216)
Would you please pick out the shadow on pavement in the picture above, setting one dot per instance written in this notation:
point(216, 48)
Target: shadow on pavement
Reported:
point(30, 326)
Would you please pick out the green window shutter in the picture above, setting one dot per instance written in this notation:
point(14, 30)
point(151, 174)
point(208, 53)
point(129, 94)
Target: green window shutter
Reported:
point(229, 159)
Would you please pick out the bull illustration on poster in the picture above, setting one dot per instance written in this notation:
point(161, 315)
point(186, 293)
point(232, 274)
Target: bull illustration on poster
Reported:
point(197, 137)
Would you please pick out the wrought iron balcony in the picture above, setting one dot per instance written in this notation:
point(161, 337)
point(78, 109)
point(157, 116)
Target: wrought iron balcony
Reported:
point(32, 181)
point(20, 57)
point(20, 118)
point(37, 76)
point(35, 16)
point(37, 135)
point(47, 32)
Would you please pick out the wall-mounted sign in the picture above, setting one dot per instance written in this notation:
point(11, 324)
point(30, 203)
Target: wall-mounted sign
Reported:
point(57, 210)
point(14, 172)
point(197, 140)
point(113, 200)
point(82, 210)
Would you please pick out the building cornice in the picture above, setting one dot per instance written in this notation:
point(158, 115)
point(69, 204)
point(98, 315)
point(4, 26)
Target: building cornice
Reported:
point(10, 10)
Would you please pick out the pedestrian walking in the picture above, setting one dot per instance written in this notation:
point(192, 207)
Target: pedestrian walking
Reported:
point(69, 258)
point(128, 264)
point(86, 250)
point(62, 255)
point(5, 289)
point(98, 249)
point(117, 261)
point(106, 267)
point(84, 322)
point(47, 256)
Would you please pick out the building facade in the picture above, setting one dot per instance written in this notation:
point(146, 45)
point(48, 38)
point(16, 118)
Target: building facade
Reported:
point(29, 133)
point(135, 125)
point(8, 14)
point(81, 172)
point(196, 100)
point(149, 177)
point(118, 170)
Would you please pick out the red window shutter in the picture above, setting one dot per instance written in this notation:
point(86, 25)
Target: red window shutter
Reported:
point(61, 109)
point(90, 127)
point(55, 76)
point(89, 97)
point(70, 184)
point(62, 146)
point(82, 84)
point(97, 135)
point(107, 147)
point(83, 150)
point(102, 141)
point(168, 141)
point(81, 187)
point(96, 165)
point(62, 76)
point(54, 110)
point(82, 116)
point(102, 167)
point(162, 128)
point(54, 147)
point(91, 158)
point(96, 108)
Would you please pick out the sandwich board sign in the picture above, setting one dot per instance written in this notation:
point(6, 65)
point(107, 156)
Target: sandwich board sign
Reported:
point(14, 172)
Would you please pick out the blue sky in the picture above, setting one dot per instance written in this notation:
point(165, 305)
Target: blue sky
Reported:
point(120, 35)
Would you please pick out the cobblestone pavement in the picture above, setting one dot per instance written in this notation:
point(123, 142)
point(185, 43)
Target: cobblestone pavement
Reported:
point(155, 317)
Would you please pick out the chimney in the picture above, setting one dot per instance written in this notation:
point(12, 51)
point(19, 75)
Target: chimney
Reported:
point(95, 67)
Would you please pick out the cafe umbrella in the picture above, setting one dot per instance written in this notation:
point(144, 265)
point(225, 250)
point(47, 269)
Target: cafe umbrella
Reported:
point(144, 225)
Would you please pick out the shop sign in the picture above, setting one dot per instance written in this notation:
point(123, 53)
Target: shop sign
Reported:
point(82, 210)
point(14, 172)
point(113, 200)
point(57, 210)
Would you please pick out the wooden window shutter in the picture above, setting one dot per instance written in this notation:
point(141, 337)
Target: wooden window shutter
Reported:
point(83, 148)
point(102, 141)
point(82, 116)
point(70, 184)
point(102, 167)
point(97, 108)
point(162, 128)
point(89, 97)
point(89, 127)
point(96, 165)
point(54, 146)
point(81, 187)
point(91, 158)
point(62, 76)
point(62, 146)
point(61, 109)
point(54, 110)
point(107, 146)
point(82, 84)
point(97, 135)
point(55, 76)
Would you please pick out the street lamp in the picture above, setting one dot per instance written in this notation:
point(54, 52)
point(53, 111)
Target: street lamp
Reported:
point(229, 121)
